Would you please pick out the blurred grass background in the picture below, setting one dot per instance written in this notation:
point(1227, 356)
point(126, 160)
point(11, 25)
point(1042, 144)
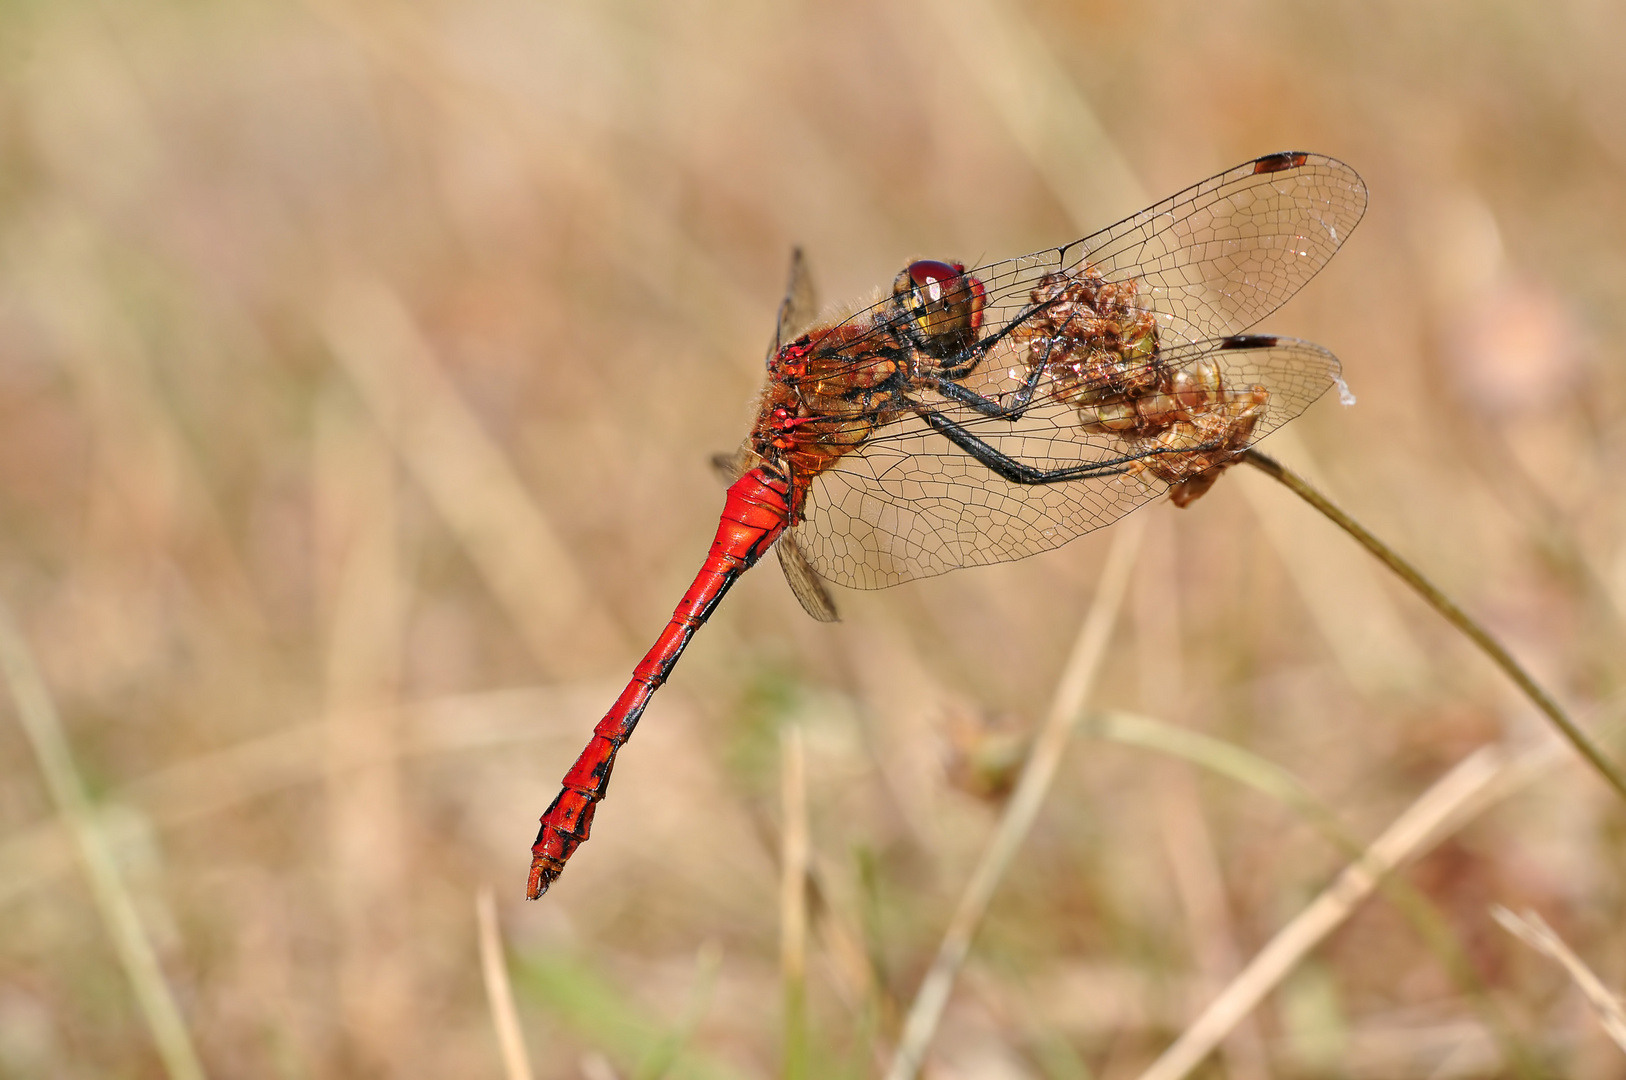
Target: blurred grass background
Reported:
point(359, 368)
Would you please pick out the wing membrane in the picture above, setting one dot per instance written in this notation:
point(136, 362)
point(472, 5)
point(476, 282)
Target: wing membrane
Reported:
point(1223, 254)
point(803, 580)
point(910, 504)
point(801, 303)
point(1210, 261)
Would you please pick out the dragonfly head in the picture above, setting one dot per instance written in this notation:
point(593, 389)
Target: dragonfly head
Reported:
point(942, 305)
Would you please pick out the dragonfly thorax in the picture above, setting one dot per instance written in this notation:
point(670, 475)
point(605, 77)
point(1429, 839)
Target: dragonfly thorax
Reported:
point(827, 391)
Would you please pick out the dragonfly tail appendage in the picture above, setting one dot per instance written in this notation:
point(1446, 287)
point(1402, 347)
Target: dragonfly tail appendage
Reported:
point(757, 511)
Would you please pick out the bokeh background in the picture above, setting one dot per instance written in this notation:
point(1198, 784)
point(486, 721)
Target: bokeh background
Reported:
point(360, 364)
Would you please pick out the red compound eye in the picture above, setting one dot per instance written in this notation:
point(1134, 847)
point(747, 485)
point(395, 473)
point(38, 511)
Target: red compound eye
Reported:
point(928, 272)
point(944, 304)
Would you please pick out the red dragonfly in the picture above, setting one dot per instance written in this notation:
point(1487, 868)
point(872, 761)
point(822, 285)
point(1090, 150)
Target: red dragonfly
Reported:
point(976, 416)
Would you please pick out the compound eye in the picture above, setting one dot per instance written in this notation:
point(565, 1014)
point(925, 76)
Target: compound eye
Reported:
point(930, 275)
point(943, 302)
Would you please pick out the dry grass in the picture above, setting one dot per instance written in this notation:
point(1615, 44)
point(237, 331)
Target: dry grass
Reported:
point(1027, 797)
point(505, 1020)
point(360, 365)
point(1533, 930)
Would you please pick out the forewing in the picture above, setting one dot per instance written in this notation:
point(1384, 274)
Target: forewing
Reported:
point(801, 303)
point(1210, 261)
point(1216, 258)
point(910, 504)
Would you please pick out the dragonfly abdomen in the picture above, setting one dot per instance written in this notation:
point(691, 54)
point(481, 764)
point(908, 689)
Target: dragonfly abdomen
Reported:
point(756, 512)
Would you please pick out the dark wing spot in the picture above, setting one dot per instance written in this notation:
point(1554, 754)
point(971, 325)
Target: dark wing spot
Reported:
point(1249, 341)
point(1277, 162)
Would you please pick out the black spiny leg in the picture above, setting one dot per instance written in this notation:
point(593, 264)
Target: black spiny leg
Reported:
point(945, 381)
point(987, 406)
point(1008, 468)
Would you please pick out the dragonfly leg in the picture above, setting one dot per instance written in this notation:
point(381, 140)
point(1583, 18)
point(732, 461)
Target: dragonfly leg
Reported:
point(988, 406)
point(1008, 468)
point(945, 381)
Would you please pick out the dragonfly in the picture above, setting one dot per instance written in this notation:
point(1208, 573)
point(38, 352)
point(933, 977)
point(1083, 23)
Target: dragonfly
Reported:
point(975, 416)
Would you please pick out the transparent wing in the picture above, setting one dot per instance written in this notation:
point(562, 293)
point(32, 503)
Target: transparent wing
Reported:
point(1216, 258)
point(801, 303)
point(803, 580)
point(730, 467)
point(912, 504)
point(1210, 261)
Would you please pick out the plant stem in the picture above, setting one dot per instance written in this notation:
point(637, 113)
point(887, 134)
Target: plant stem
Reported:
point(38, 714)
point(1073, 689)
point(795, 856)
point(1453, 614)
point(516, 1062)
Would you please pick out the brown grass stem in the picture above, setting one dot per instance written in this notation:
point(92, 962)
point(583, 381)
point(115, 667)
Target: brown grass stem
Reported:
point(1072, 690)
point(41, 724)
point(516, 1062)
point(468, 478)
point(1007, 58)
point(1452, 613)
point(411, 48)
point(1274, 782)
point(1533, 930)
point(366, 600)
point(1406, 838)
point(795, 855)
point(213, 783)
point(1194, 863)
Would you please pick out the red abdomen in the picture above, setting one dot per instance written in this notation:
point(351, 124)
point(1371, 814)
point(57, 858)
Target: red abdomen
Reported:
point(756, 512)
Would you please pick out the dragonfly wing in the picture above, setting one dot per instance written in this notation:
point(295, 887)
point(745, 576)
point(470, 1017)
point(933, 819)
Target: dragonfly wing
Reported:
point(804, 581)
point(1213, 260)
point(731, 466)
point(912, 504)
point(799, 308)
point(1223, 254)
point(1210, 261)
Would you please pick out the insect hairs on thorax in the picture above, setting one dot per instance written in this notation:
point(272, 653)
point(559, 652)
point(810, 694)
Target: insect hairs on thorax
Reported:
point(831, 388)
